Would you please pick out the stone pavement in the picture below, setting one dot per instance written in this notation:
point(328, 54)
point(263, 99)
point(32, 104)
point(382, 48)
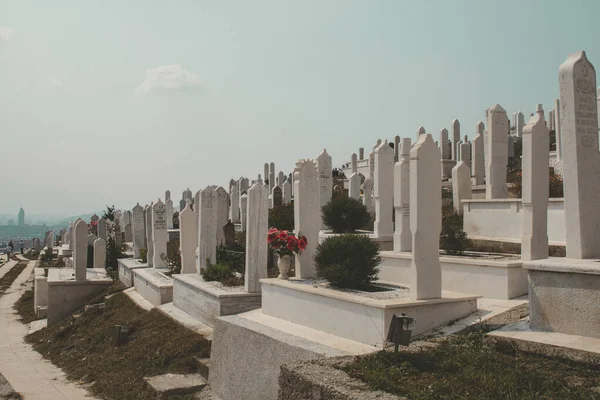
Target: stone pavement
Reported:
point(24, 368)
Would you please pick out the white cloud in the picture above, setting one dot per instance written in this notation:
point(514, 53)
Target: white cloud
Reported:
point(46, 84)
point(167, 77)
point(5, 34)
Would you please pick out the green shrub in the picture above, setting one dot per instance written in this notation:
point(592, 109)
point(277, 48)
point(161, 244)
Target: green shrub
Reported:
point(173, 258)
point(282, 217)
point(113, 253)
point(90, 256)
point(221, 273)
point(144, 255)
point(345, 214)
point(348, 261)
point(452, 238)
point(233, 256)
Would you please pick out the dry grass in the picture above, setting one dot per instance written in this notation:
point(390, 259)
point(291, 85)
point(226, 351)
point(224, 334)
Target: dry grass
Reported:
point(471, 367)
point(24, 307)
point(83, 347)
point(7, 280)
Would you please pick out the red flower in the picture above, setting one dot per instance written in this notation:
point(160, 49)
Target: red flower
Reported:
point(271, 237)
point(302, 244)
point(305, 239)
point(291, 243)
point(283, 235)
point(273, 230)
point(276, 245)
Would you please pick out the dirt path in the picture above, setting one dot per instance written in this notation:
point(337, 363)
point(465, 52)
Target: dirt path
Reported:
point(29, 374)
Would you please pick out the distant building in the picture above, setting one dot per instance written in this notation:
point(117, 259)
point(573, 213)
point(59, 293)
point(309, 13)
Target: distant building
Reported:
point(21, 217)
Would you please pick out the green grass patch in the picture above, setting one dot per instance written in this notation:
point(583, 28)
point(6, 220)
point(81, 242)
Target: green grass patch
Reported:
point(471, 367)
point(83, 346)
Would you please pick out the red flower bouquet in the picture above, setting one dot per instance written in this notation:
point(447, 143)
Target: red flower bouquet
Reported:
point(284, 243)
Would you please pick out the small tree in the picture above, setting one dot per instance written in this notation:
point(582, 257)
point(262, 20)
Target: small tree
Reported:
point(453, 238)
point(348, 261)
point(173, 258)
point(109, 213)
point(282, 217)
point(113, 253)
point(345, 214)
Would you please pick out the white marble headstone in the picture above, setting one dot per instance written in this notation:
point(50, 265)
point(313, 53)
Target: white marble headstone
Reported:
point(256, 237)
point(580, 156)
point(307, 216)
point(425, 219)
point(402, 235)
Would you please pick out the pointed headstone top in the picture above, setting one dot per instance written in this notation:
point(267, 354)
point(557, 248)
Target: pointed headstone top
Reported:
point(479, 128)
point(497, 108)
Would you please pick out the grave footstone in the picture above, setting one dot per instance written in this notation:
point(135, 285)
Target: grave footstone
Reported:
point(102, 228)
point(402, 235)
point(229, 233)
point(425, 219)
point(276, 197)
point(446, 155)
point(557, 130)
point(325, 180)
point(149, 237)
point(188, 238)
point(234, 211)
point(243, 210)
point(222, 213)
point(170, 211)
point(461, 185)
point(384, 190)
point(100, 253)
point(477, 163)
point(271, 176)
point(80, 248)
point(354, 179)
point(287, 191)
point(496, 157)
point(138, 229)
point(256, 243)
point(536, 141)
point(455, 138)
point(207, 228)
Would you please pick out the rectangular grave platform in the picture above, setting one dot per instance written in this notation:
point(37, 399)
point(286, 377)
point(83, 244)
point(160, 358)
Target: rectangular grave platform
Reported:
point(484, 274)
point(564, 296)
point(126, 268)
point(64, 251)
point(153, 285)
point(66, 295)
point(355, 317)
point(249, 349)
point(551, 344)
point(205, 301)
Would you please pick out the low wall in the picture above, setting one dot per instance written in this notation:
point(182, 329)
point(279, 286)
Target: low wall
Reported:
point(495, 279)
point(502, 219)
point(67, 296)
point(206, 302)
point(564, 296)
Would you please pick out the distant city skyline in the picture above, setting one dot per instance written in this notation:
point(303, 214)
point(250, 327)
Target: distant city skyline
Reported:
point(115, 102)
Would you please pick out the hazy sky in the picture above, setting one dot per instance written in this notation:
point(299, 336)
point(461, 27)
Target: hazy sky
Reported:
point(106, 102)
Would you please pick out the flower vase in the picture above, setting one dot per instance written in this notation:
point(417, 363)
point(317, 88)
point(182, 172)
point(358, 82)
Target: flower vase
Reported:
point(283, 264)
